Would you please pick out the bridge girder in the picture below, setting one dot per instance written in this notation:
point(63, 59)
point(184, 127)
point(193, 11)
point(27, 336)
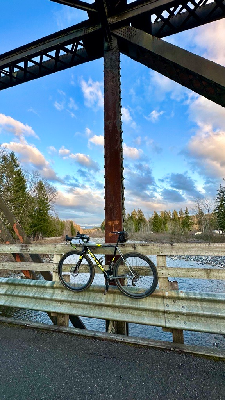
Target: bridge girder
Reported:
point(194, 72)
point(85, 41)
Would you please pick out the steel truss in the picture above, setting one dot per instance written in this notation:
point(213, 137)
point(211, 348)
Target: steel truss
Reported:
point(85, 42)
point(196, 73)
point(53, 53)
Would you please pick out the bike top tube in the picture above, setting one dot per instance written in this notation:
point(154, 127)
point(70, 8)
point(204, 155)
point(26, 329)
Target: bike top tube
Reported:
point(85, 240)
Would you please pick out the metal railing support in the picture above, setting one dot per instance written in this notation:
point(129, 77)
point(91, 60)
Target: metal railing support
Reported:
point(165, 284)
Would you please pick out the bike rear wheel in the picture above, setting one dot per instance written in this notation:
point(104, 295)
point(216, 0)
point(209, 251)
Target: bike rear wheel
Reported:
point(76, 271)
point(136, 275)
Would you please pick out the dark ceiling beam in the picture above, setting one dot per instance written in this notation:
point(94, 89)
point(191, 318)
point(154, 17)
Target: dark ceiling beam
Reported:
point(139, 8)
point(82, 5)
point(38, 70)
point(173, 24)
point(194, 72)
point(50, 43)
point(17, 66)
point(183, 21)
point(53, 53)
point(65, 36)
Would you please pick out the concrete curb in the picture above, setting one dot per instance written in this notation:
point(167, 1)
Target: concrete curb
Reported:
point(198, 351)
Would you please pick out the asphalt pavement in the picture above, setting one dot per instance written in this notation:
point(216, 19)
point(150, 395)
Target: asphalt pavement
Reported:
point(47, 365)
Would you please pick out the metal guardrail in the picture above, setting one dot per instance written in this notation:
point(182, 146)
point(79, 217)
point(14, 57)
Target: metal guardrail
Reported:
point(167, 307)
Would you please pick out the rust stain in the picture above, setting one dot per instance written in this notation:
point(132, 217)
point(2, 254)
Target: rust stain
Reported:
point(17, 233)
point(27, 274)
point(18, 259)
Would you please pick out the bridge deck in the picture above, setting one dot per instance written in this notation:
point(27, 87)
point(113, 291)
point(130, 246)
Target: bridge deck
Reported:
point(42, 364)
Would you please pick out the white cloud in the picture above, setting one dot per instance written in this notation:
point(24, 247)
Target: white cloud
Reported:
point(155, 147)
point(154, 115)
point(93, 94)
point(85, 161)
point(210, 38)
point(97, 140)
point(75, 204)
point(138, 140)
point(30, 156)
point(206, 113)
point(63, 152)
point(33, 111)
point(127, 118)
point(132, 152)
point(59, 106)
point(206, 147)
point(164, 85)
point(71, 114)
point(72, 105)
point(52, 150)
point(88, 132)
point(79, 197)
point(16, 127)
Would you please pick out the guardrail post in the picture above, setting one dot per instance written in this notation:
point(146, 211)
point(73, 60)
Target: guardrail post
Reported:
point(165, 284)
point(118, 327)
point(61, 319)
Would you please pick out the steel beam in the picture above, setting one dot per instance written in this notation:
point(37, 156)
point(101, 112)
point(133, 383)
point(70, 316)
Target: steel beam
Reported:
point(164, 10)
point(53, 53)
point(196, 73)
point(113, 144)
point(174, 23)
point(84, 42)
point(20, 74)
point(82, 5)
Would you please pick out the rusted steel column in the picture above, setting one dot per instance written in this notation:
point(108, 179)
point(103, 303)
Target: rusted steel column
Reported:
point(113, 143)
point(114, 190)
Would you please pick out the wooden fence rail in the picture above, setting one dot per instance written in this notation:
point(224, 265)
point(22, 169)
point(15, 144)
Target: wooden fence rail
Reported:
point(168, 307)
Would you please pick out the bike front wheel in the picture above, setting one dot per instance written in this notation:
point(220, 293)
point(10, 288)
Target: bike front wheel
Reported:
point(76, 271)
point(135, 275)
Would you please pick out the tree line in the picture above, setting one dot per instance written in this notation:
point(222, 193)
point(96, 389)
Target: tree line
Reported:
point(165, 221)
point(30, 199)
point(207, 216)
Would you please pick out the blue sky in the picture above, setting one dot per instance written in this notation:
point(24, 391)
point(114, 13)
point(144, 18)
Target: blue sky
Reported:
point(174, 139)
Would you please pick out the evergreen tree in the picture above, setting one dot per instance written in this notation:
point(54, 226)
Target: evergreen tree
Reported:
point(220, 208)
point(141, 220)
point(186, 222)
point(165, 216)
point(200, 218)
point(13, 187)
point(129, 223)
point(156, 222)
point(40, 219)
point(72, 228)
point(134, 218)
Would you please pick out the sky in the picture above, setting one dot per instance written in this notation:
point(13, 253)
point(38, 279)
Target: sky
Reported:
point(173, 139)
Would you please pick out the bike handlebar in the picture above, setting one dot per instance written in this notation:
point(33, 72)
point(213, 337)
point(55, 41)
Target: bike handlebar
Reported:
point(81, 236)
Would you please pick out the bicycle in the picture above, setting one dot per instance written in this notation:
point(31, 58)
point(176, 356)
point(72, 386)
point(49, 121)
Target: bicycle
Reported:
point(134, 274)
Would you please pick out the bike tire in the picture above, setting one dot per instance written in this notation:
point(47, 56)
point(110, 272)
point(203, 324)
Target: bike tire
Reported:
point(73, 278)
point(139, 278)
